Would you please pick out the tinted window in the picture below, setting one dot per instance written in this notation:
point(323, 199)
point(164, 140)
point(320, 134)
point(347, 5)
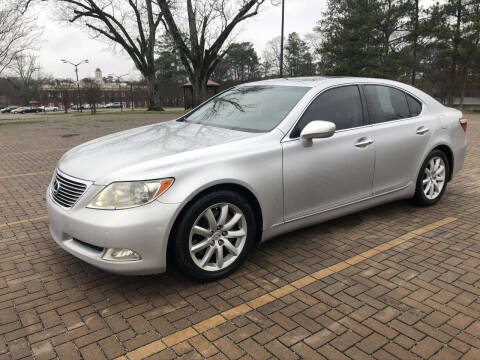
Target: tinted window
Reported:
point(250, 108)
point(386, 104)
point(414, 105)
point(341, 106)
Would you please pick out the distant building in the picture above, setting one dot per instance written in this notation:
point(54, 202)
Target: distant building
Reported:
point(63, 93)
point(98, 76)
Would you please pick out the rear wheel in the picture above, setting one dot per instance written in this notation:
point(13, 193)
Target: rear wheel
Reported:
point(215, 235)
point(432, 179)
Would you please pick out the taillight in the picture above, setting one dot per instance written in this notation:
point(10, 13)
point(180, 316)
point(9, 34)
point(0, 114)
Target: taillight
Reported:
point(463, 124)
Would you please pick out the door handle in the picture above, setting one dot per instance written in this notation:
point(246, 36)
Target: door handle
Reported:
point(364, 142)
point(422, 130)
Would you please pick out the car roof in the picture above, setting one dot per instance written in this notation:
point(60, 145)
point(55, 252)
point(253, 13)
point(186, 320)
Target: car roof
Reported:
point(320, 81)
point(311, 81)
point(323, 82)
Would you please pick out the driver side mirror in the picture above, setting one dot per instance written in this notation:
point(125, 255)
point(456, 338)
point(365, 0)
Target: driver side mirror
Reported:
point(317, 129)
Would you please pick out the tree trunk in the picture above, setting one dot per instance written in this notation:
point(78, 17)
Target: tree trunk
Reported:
point(153, 91)
point(415, 43)
point(456, 45)
point(199, 84)
point(464, 86)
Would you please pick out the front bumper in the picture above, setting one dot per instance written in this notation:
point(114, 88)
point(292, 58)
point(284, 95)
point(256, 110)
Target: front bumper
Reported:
point(86, 233)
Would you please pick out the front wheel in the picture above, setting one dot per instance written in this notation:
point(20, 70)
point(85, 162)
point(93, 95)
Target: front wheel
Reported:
point(214, 235)
point(432, 179)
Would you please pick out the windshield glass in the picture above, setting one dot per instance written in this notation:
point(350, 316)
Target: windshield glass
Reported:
point(249, 108)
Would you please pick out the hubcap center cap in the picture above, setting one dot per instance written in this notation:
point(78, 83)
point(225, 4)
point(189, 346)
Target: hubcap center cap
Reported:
point(217, 235)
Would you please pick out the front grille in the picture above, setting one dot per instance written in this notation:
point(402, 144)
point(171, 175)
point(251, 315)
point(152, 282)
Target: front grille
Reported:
point(65, 191)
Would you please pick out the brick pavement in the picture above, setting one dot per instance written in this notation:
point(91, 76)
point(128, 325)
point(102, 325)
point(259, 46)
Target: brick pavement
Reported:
point(392, 282)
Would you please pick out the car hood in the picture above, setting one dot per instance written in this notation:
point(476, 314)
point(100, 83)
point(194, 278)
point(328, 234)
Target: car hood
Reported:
point(99, 159)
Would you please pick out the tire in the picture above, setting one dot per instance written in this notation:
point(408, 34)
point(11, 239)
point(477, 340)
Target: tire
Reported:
point(208, 254)
point(426, 192)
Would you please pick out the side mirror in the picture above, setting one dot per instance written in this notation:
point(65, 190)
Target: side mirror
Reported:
point(317, 130)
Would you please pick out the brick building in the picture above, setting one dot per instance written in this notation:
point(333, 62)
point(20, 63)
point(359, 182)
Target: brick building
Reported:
point(65, 93)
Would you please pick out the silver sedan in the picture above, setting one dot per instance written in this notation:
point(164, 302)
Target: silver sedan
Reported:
point(256, 161)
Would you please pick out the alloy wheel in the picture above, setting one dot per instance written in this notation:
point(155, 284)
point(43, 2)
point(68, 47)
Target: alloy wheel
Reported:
point(218, 237)
point(434, 178)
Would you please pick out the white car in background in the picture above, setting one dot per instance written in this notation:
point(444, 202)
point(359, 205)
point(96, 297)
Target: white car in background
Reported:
point(50, 108)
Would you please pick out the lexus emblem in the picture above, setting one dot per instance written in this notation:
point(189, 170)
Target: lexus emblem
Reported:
point(56, 187)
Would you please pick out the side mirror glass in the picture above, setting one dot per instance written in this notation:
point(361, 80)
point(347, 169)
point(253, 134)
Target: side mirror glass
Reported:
point(317, 130)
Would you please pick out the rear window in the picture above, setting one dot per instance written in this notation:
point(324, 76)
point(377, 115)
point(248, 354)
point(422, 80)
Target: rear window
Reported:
point(386, 104)
point(414, 105)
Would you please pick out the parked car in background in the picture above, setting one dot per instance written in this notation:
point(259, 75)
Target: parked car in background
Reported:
point(114, 105)
point(31, 109)
point(17, 110)
point(49, 108)
point(254, 162)
point(27, 110)
point(8, 109)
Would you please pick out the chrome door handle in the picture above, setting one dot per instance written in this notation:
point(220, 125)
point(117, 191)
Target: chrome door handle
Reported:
point(364, 142)
point(422, 130)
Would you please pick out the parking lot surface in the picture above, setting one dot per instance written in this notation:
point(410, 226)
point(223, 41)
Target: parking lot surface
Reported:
point(393, 282)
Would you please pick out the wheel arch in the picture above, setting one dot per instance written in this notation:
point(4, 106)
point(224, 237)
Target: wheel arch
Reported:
point(449, 154)
point(231, 186)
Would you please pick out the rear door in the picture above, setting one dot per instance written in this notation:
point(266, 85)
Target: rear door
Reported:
point(402, 133)
point(334, 171)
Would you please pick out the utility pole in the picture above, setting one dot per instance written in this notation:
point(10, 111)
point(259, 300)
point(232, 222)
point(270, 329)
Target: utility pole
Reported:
point(79, 107)
point(119, 78)
point(282, 38)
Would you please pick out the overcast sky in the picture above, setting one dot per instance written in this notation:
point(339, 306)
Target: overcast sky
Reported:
point(60, 40)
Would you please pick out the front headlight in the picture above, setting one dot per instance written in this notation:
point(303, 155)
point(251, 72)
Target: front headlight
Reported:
point(125, 195)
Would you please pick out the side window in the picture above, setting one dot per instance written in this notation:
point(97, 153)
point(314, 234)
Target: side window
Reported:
point(414, 105)
point(386, 104)
point(341, 105)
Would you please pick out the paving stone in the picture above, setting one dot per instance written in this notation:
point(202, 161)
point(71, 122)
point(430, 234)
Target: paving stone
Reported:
point(310, 294)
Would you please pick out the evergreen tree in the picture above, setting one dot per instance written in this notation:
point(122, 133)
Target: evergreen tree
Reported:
point(457, 35)
point(363, 37)
point(351, 42)
point(242, 62)
point(298, 59)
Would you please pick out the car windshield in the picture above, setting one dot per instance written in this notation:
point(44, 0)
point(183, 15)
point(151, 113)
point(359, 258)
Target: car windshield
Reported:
point(257, 108)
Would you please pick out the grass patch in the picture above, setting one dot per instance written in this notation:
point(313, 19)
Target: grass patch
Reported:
point(18, 122)
point(134, 112)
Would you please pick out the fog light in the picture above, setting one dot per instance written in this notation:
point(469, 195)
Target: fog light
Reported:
point(120, 255)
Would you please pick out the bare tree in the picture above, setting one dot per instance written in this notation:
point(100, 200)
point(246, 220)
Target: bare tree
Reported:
point(271, 57)
point(130, 24)
point(17, 32)
point(66, 94)
point(202, 43)
point(92, 94)
point(28, 78)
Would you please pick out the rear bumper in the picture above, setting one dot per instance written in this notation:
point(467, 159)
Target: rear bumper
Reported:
point(86, 233)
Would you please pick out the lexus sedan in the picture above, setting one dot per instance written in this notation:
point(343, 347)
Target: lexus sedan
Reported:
point(256, 161)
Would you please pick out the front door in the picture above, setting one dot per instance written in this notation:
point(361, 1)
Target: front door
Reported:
point(334, 171)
